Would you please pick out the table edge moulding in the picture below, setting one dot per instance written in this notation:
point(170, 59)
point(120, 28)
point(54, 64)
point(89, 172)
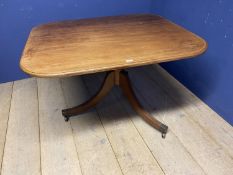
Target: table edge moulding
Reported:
point(107, 44)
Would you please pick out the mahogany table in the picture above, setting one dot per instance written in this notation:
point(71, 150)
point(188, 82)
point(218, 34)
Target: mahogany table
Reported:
point(111, 44)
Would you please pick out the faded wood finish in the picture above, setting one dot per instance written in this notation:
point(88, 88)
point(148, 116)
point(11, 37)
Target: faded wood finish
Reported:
point(22, 148)
point(108, 43)
point(58, 150)
point(5, 102)
point(94, 149)
point(212, 158)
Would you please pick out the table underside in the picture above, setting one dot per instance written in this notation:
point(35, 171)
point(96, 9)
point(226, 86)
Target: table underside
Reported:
point(119, 78)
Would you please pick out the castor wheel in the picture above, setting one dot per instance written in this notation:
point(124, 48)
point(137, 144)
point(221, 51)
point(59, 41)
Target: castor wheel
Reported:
point(163, 135)
point(67, 118)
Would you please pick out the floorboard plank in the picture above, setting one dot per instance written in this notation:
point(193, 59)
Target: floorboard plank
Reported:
point(170, 152)
point(95, 153)
point(5, 101)
point(210, 156)
point(58, 152)
point(22, 150)
point(210, 121)
point(132, 153)
point(113, 139)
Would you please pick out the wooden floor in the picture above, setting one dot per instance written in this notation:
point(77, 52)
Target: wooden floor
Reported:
point(112, 139)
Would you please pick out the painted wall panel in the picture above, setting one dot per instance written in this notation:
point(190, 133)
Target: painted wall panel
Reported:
point(209, 76)
point(17, 17)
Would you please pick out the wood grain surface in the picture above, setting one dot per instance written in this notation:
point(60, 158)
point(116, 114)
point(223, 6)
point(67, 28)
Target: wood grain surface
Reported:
point(108, 43)
point(22, 146)
point(112, 139)
point(5, 104)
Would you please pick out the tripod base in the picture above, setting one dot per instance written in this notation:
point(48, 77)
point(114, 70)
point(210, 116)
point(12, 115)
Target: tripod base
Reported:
point(121, 79)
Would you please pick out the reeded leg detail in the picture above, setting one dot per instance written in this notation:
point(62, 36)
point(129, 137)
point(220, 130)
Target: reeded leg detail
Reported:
point(129, 93)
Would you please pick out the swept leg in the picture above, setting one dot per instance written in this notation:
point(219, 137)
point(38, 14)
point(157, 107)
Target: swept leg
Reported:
point(119, 78)
point(129, 93)
point(104, 90)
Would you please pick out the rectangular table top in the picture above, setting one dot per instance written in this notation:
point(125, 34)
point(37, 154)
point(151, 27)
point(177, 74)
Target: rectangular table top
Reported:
point(84, 46)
